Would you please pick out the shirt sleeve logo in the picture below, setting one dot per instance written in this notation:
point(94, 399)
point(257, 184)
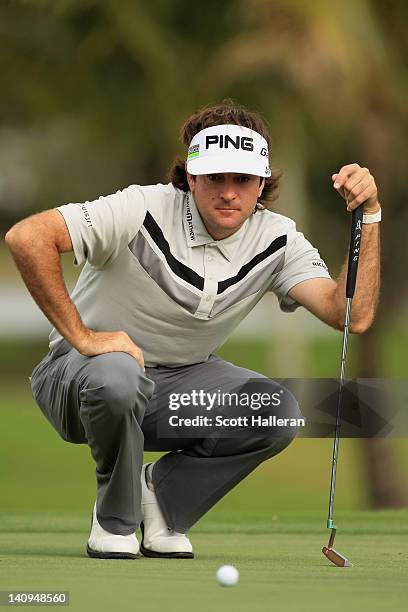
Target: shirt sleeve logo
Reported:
point(86, 215)
point(320, 264)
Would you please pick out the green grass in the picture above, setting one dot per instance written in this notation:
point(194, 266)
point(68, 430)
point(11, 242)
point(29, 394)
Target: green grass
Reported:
point(271, 526)
point(42, 472)
point(279, 559)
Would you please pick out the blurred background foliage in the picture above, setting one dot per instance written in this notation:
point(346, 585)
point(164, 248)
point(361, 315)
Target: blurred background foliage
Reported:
point(93, 96)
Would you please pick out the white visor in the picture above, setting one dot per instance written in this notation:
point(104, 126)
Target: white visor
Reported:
point(228, 148)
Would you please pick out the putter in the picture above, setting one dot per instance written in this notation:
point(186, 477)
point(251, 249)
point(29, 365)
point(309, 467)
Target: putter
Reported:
point(354, 251)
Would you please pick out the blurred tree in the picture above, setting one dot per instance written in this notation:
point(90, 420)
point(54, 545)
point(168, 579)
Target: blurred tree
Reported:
point(339, 91)
point(94, 91)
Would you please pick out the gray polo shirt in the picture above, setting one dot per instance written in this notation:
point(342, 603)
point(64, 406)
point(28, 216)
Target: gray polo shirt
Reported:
point(152, 270)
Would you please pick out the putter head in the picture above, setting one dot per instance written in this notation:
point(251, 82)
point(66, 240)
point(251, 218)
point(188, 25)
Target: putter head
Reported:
point(335, 557)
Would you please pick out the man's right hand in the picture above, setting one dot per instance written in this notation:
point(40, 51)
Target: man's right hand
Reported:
point(98, 343)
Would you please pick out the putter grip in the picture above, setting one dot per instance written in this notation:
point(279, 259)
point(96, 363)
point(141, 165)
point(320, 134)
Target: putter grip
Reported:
point(354, 251)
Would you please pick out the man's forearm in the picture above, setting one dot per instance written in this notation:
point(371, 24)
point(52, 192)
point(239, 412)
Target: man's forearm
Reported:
point(366, 295)
point(40, 266)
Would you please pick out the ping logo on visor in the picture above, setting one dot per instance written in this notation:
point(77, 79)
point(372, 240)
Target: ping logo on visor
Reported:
point(228, 148)
point(224, 141)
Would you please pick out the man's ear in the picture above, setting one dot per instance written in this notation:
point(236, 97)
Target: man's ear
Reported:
point(261, 186)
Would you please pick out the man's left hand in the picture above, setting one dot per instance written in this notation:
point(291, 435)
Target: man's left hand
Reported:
point(357, 186)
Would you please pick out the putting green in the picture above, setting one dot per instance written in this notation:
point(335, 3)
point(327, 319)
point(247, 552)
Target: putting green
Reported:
point(279, 559)
point(48, 488)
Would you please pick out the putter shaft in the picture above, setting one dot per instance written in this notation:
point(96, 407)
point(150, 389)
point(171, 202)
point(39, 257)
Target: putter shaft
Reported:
point(330, 524)
point(354, 252)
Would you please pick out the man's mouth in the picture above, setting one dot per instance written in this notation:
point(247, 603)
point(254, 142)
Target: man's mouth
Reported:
point(226, 208)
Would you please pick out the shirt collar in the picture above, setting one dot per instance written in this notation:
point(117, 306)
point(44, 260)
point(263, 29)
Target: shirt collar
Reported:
point(197, 235)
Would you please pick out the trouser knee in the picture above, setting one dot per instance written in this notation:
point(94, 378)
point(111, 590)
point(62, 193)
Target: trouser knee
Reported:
point(287, 421)
point(118, 385)
point(274, 425)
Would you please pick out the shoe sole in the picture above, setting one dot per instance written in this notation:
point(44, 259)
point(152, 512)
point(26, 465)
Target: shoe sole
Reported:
point(96, 554)
point(170, 555)
point(146, 552)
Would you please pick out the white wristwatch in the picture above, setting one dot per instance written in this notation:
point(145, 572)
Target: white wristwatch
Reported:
point(372, 217)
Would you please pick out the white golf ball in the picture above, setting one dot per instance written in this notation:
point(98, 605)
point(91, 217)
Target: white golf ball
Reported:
point(227, 575)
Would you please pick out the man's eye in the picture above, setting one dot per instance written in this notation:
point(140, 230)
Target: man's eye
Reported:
point(213, 177)
point(243, 179)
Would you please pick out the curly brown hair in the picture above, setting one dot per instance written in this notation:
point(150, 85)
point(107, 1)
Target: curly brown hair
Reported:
point(225, 113)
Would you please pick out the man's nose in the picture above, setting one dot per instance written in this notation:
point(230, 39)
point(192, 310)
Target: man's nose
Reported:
point(228, 192)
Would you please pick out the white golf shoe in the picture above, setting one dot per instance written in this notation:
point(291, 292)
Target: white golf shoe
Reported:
point(105, 545)
point(158, 540)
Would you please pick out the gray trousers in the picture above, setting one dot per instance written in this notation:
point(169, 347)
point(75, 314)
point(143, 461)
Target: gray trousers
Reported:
point(111, 404)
